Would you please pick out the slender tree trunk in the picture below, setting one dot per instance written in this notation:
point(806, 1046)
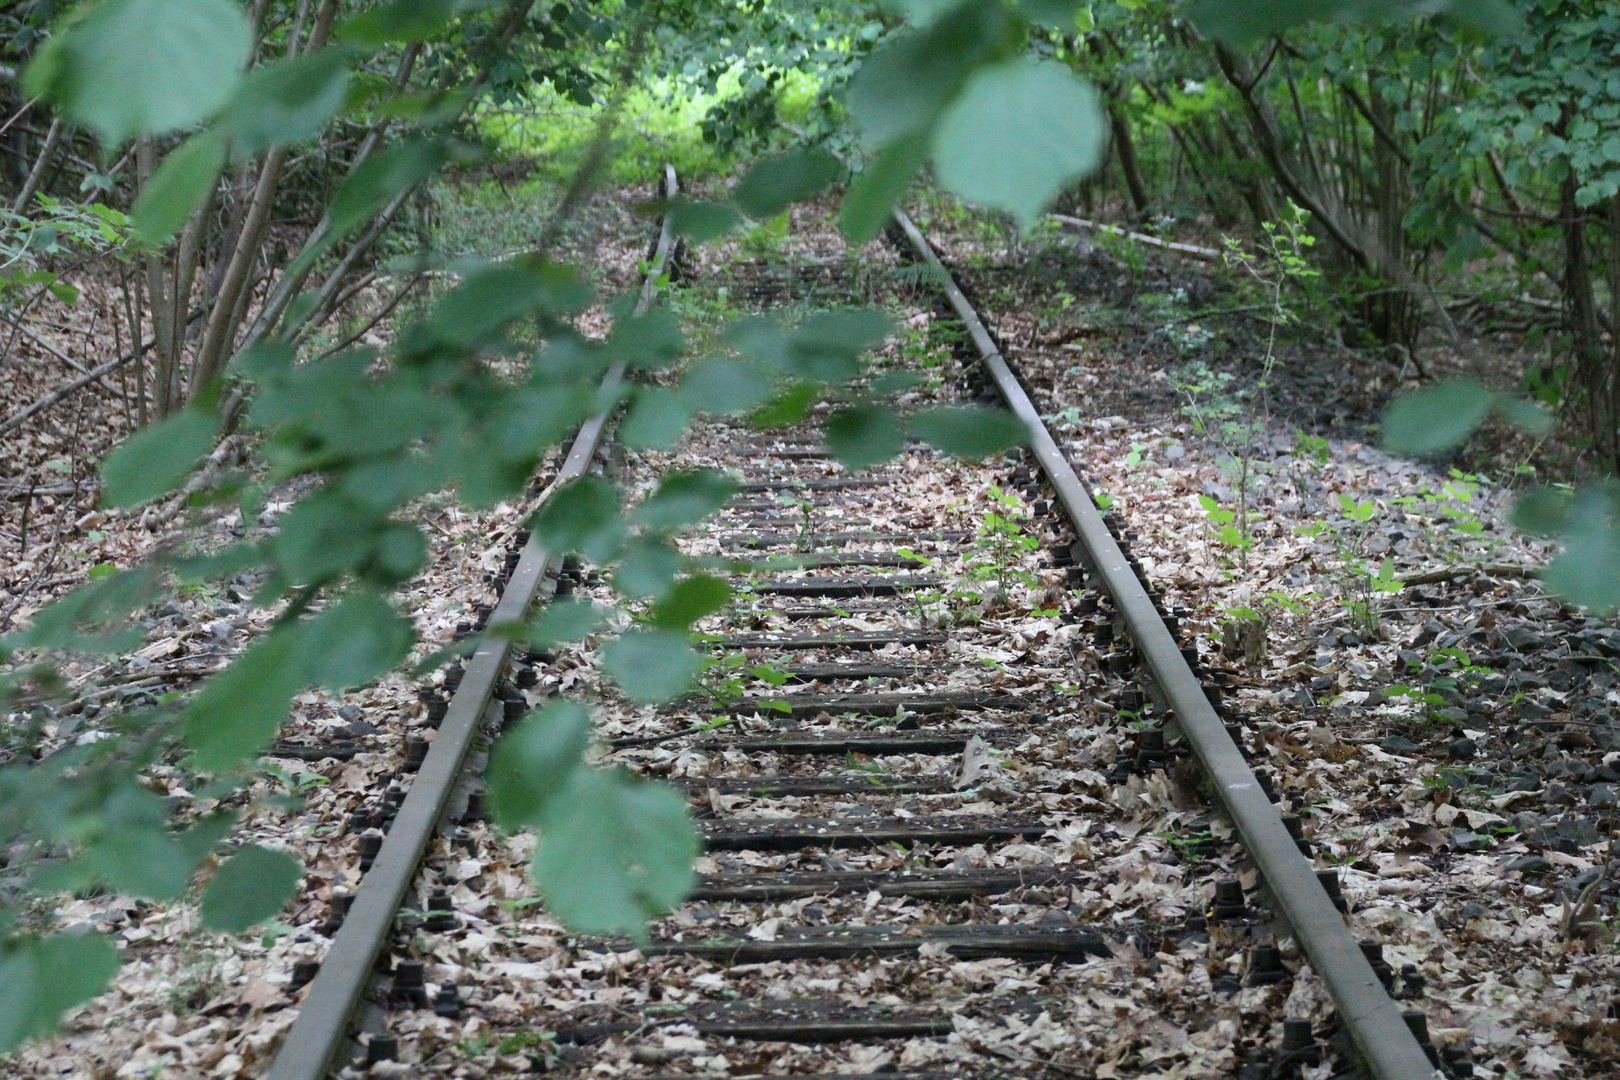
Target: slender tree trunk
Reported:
point(36, 175)
point(1125, 151)
point(1390, 311)
point(162, 303)
point(1593, 371)
point(1323, 205)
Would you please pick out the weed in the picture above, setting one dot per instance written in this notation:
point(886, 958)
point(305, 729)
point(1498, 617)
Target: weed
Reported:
point(1360, 579)
point(1000, 544)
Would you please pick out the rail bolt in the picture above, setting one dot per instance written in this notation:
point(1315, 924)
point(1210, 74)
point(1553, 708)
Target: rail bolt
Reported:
point(1330, 884)
point(1374, 952)
point(416, 749)
point(381, 1048)
point(1229, 902)
point(1235, 733)
point(303, 973)
point(410, 984)
point(448, 1003)
point(370, 845)
point(441, 913)
point(1296, 828)
point(1299, 1045)
point(1266, 785)
point(1418, 1024)
point(1266, 966)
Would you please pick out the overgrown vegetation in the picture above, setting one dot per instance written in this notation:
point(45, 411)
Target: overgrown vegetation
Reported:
point(245, 173)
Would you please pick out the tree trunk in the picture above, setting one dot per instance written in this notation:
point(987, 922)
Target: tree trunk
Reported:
point(1389, 311)
point(1125, 151)
point(36, 175)
point(1593, 372)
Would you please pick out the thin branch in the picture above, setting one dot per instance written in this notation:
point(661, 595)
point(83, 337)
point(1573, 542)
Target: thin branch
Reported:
point(94, 375)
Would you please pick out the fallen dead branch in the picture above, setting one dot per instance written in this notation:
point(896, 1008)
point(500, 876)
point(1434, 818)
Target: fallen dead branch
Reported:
point(1193, 250)
point(94, 375)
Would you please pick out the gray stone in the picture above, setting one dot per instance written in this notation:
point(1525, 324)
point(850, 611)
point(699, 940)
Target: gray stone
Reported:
point(1465, 841)
point(350, 713)
point(1523, 638)
point(1531, 865)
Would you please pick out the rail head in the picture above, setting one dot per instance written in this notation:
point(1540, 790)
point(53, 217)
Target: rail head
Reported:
point(1375, 1022)
point(318, 1034)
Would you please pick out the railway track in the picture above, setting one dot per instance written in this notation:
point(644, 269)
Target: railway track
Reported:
point(909, 817)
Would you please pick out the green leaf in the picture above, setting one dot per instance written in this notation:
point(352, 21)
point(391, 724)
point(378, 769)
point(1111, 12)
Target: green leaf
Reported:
point(384, 175)
point(684, 498)
point(876, 189)
point(492, 298)
point(865, 435)
point(42, 979)
point(564, 620)
point(789, 407)
point(775, 183)
point(584, 516)
point(701, 222)
point(970, 431)
point(1055, 14)
point(139, 856)
point(650, 342)
point(651, 665)
point(647, 568)
point(1018, 135)
point(689, 600)
point(287, 101)
point(1436, 418)
point(397, 21)
point(725, 387)
point(1588, 570)
point(249, 887)
point(1241, 22)
point(358, 641)
point(179, 184)
point(239, 711)
point(153, 461)
point(1542, 511)
point(534, 761)
point(614, 852)
point(827, 347)
point(1524, 414)
point(103, 601)
point(901, 88)
point(323, 537)
point(146, 67)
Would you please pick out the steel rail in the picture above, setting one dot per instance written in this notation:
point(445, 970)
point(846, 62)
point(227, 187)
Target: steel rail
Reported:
point(318, 1033)
point(1387, 1046)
